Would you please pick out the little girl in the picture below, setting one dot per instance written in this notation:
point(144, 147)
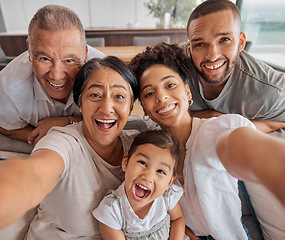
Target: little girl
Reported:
point(145, 203)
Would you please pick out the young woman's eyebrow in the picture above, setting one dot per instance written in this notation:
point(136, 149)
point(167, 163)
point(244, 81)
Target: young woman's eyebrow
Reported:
point(163, 79)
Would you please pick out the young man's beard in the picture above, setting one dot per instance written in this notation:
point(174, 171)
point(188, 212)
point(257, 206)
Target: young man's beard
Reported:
point(225, 76)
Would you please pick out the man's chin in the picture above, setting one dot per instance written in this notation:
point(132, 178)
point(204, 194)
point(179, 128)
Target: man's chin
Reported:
point(212, 81)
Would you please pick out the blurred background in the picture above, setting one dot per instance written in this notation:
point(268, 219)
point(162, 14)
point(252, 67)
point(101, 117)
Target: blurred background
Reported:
point(263, 21)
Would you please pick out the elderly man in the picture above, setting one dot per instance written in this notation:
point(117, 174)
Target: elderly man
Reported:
point(36, 87)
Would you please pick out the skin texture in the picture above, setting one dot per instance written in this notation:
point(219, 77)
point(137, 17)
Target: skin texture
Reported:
point(56, 58)
point(24, 183)
point(163, 94)
point(215, 42)
point(150, 167)
point(106, 97)
point(247, 154)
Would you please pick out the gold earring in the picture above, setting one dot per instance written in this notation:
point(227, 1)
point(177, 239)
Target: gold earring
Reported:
point(191, 102)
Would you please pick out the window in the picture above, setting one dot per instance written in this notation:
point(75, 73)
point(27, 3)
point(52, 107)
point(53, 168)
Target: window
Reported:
point(263, 22)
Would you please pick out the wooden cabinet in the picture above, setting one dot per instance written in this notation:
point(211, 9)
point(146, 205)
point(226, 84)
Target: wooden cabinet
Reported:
point(15, 44)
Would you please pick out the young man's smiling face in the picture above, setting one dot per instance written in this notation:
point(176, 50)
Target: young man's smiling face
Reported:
point(214, 45)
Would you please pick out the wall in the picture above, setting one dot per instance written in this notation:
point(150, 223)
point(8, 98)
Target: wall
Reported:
point(119, 14)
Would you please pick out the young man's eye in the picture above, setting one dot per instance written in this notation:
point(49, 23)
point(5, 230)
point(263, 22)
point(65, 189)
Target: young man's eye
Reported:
point(161, 171)
point(197, 45)
point(225, 39)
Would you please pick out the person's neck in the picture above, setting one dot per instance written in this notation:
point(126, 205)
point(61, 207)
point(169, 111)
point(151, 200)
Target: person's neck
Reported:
point(182, 130)
point(211, 91)
point(113, 153)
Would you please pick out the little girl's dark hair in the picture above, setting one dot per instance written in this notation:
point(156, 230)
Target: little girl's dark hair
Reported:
point(159, 138)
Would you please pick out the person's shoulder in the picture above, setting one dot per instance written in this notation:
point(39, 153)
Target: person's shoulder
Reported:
point(18, 72)
point(69, 136)
point(230, 121)
point(94, 53)
point(260, 72)
point(71, 131)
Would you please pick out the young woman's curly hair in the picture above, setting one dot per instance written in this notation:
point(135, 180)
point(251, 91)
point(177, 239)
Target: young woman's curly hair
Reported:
point(169, 55)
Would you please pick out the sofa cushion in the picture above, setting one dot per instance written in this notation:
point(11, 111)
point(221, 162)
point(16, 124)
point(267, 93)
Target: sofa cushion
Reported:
point(269, 211)
point(11, 145)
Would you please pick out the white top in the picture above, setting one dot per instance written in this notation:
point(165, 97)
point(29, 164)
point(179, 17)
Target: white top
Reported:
point(66, 212)
point(112, 215)
point(24, 101)
point(210, 202)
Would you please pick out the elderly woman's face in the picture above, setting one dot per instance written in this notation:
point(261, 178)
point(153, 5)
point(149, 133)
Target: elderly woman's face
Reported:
point(105, 106)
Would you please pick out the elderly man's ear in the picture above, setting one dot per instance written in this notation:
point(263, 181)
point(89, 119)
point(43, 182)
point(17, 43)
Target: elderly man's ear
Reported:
point(86, 52)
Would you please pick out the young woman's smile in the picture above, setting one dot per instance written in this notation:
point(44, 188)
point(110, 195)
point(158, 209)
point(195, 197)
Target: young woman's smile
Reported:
point(164, 95)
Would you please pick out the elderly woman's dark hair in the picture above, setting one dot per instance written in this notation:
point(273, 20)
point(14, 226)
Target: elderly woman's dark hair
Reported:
point(107, 62)
point(169, 55)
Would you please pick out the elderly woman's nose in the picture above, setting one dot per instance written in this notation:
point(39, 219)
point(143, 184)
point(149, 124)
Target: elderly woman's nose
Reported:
point(107, 105)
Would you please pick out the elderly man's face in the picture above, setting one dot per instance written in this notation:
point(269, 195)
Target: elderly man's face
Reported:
point(214, 45)
point(56, 58)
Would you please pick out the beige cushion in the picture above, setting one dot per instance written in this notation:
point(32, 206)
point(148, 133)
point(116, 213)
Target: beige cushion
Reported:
point(269, 211)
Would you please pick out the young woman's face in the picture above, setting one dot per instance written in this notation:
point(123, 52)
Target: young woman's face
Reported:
point(105, 106)
point(148, 173)
point(164, 95)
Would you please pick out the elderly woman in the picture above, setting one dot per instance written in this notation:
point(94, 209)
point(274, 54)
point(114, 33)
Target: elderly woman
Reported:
point(215, 152)
point(72, 167)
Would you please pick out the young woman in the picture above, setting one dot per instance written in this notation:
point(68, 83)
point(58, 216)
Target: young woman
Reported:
point(214, 152)
point(72, 167)
point(145, 206)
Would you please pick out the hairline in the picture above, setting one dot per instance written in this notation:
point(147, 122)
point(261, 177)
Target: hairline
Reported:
point(42, 17)
point(196, 14)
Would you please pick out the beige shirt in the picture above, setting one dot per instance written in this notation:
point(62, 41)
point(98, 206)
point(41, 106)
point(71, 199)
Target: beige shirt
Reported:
point(66, 212)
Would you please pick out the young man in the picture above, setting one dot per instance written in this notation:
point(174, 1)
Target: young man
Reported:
point(225, 78)
point(36, 87)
